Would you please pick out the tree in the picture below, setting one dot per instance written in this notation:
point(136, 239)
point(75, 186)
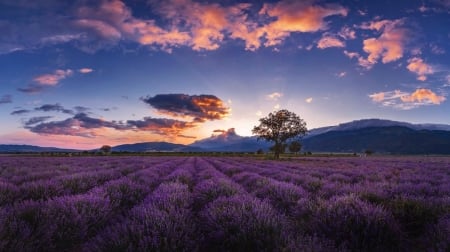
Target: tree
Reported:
point(105, 149)
point(295, 146)
point(278, 127)
point(368, 152)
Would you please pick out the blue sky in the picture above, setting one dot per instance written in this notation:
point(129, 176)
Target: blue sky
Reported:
point(80, 74)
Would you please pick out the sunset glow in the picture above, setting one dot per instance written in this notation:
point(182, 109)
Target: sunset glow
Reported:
point(80, 74)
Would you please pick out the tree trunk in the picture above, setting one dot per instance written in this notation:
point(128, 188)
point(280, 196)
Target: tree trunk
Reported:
point(277, 150)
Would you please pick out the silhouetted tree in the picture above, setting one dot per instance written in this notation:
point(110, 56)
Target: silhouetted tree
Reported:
point(295, 146)
point(278, 127)
point(368, 152)
point(106, 149)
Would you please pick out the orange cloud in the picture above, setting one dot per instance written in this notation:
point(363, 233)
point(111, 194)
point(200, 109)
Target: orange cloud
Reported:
point(205, 26)
point(377, 97)
point(296, 16)
point(199, 107)
point(361, 60)
point(390, 45)
point(102, 28)
point(206, 23)
point(423, 95)
point(113, 20)
point(416, 65)
point(405, 101)
point(329, 41)
point(54, 78)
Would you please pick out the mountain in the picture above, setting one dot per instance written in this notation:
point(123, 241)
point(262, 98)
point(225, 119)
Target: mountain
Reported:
point(155, 146)
point(31, 148)
point(228, 140)
point(366, 123)
point(380, 136)
point(381, 139)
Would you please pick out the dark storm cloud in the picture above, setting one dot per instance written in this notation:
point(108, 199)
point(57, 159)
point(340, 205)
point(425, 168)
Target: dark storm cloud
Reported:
point(161, 126)
point(83, 125)
point(54, 108)
point(31, 89)
point(81, 109)
point(20, 112)
point(200, 107)
point(36, 120)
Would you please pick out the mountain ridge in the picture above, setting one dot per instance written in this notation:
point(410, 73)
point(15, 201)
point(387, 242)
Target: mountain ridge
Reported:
point(356, 136)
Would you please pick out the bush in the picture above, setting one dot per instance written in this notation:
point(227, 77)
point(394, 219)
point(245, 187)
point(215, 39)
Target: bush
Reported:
point(242, 223)
point(357, 225)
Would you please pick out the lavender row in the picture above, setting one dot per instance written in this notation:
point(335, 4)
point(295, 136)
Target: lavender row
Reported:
point(229, 204)
point(63, 223)
point(407, 206)
point(65, 185)
point(35, 169)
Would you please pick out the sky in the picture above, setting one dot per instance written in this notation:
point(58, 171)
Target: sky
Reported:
point(84, 73)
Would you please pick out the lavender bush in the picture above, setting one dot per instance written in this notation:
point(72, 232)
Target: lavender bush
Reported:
point(112, 203)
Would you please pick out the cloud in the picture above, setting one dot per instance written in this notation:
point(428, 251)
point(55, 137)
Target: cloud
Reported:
point(85, 70)
point(389, 46)
point(364, 63)
point(83, 125)
point(277, 106)
point(274, 96)
point(378, 97)
point(417, 66)
point(54, 108)
point(69, 127)
point(78, 125)
point(341, 74)
point(435, 49)
point(20, 112)
point(161, 126)
point(31, 89)
point(112, 21)
point(185, 136)
point(296, 16)
point(199, 107)
point(196, 24)
point(81, 109)
point(5, 99)
point(36, 120)
point(328, 41)
point(54, 78)
point(405, 101)
point(425, 96)
point(347, 33)
point(309, 100)
point(447, 78)
point(60, 38)
point(206, 25)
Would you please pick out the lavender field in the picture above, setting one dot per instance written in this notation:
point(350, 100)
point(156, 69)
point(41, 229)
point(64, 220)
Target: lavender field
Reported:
point(224, 204)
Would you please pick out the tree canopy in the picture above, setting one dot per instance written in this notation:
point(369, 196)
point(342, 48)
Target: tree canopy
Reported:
point(295, 146)
point(105, 149)
point(278, 127)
